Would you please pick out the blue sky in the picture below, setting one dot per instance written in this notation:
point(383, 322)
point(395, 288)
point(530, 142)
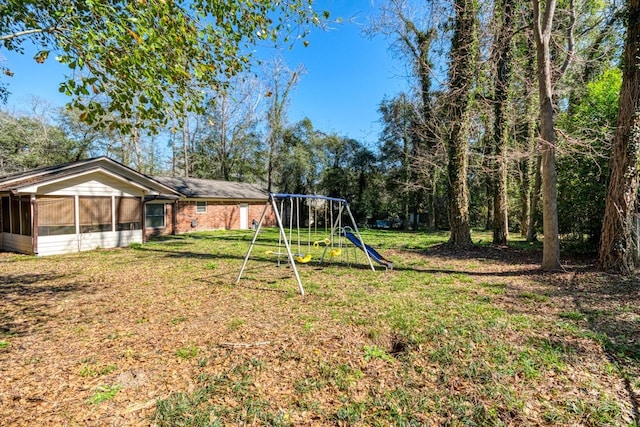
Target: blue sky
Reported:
point(347, 75)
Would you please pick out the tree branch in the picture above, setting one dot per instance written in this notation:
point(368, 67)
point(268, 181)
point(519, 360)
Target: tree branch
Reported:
point(571, 42)
point(26, 33)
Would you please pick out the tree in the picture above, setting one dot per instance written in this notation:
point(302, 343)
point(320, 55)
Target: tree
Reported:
point(414, 34)
point(462, 69)
point(142, 56)
point(300, 159)
point(542, 26)
point(283, 80)
point(583, 171)
point(616, 244)
point(229, 147)
point(505, 12)
point(366, 184)
point(93, 142)
point(577, 143)
point(28, 142)
point(397, 150)
point(182, 140)
point(529, 163)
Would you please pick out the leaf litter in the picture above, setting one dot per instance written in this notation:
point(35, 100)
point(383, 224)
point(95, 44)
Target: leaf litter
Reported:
point(493, 341)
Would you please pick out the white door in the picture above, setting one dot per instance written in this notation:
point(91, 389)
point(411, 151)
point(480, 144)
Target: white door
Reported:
point(244, 216)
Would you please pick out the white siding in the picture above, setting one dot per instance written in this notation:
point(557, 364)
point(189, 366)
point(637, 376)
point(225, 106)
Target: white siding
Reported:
point(17, 243)
point(95, 184)
point(67, 243)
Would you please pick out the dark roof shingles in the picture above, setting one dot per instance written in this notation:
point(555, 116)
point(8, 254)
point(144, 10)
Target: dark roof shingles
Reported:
point(213, 189)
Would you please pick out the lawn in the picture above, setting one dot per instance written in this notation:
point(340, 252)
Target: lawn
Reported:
point(160, 334)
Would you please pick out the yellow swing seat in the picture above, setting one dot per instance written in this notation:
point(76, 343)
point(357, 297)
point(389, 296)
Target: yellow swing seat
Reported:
point(304, 260)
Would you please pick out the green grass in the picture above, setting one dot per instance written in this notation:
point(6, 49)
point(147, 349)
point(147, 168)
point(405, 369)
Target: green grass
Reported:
point(573, 315)
point(178, 320)
point(533, 297)
point(443, 329)
point(205, 406)
point(93, 370)
point(437, 341)
point(235, 324)
point(103, 393)
point(375, 352)
point(187, 353)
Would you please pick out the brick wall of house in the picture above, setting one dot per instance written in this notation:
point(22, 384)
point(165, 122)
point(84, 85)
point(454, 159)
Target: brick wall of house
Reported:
point(255, 212)
point(219, 215)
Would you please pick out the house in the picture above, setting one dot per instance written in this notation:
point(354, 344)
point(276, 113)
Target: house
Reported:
point(208, 205)
point(101, 203)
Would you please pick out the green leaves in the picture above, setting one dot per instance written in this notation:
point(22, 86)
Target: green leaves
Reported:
point(145, 61)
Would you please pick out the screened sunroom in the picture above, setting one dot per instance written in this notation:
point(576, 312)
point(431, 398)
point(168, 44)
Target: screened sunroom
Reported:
point(91, 204)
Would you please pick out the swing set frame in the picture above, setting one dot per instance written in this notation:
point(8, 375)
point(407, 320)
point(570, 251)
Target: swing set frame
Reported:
point(336, 228)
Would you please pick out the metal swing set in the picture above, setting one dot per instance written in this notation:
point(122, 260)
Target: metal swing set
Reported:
point(287, 209)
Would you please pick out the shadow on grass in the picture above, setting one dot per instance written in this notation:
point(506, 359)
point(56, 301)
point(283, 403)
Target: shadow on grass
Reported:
point(256, 256)
point(26, 301)
point(492, 253)
point(609, 306)
point(604, 306)
point(598, 306)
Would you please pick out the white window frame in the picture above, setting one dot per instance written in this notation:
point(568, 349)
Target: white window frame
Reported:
point(164, 215)
point(199, 207)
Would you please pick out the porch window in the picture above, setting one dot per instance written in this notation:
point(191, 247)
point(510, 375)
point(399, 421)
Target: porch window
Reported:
point(201, 207)
point(154, 215)
point(95, 214)
point(15, 215)
point(25, 216)
point(19, 214)
point(128, 213)
point(56, 215)
point(6, 218)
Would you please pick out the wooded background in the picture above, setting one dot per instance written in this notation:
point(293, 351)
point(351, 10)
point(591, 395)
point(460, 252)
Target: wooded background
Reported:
point(522, 115)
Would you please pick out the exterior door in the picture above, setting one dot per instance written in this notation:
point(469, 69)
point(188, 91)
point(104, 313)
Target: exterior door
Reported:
point(244, 216)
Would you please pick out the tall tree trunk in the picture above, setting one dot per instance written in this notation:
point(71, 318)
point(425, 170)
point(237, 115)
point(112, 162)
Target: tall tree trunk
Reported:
point(224, 148)
point(464, 54)
point(529, 166)
point(174, 159)
point(616, 243)
point(277, 111)
point(542, 34)
point(151, 168)
point(489, 184)
point(490, 189)
point(501, 123)
point(407, 159)
point(532, 231)
point(135, 143)
point(525, 195)
point(418, 42)
point(431, 201)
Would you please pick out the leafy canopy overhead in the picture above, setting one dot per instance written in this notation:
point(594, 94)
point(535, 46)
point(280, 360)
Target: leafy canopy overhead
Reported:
point(146, 61)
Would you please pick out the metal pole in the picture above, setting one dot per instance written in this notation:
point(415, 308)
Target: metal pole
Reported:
point(364, 247)
point(283, 234)
point(253, 241)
